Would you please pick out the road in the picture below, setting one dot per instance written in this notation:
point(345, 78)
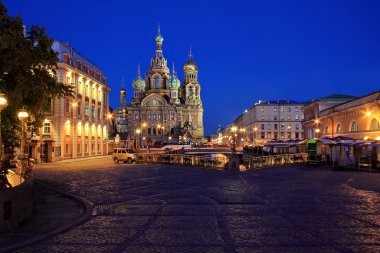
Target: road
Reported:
point(159, 208)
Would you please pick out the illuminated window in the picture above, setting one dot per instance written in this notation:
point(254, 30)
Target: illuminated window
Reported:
point(297, 117)
point(354, 126)
point(281, 109)
point(86, 108)
point(99, 131)
point(67, 128)
point(282, 126)
point(375, 125)
point(79, 129)
point(104, 131)
point(46, 128)
point(86, 130)
point(289, 135)
point(296, 109)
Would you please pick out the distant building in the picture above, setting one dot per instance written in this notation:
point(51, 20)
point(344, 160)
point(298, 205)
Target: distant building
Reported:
point(75, 126)
point(312, 112)
point(162, 109)
point(270, 120)
point(357, 118)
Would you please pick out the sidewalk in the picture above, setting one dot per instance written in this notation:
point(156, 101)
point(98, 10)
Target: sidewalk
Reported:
point(53, 213)
point(73, 160)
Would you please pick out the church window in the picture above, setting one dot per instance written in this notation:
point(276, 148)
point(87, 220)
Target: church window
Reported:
point(93, 111)
point(159, 116)
point(149, 117)
point(156, 83)
point(136, 116)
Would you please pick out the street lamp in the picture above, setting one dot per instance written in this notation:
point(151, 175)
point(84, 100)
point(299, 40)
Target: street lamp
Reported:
point(22, 116)
point(3, 105)
point(317, 132)
point(234, 129)
point(254, 133)
point(138, 133)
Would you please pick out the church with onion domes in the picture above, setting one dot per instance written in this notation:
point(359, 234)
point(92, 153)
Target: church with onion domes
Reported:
point(164, 110)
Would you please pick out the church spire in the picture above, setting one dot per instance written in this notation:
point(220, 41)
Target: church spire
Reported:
point(190, 53)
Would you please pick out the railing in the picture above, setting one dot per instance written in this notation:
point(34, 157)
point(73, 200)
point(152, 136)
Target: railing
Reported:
point(273, 160)
point(191, 160)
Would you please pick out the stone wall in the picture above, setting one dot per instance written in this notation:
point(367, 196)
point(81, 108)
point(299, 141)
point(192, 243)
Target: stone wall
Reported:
point(16, 205)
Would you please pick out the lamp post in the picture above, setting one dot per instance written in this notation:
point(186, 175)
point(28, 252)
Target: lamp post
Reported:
point(3, 105)
point(234, 129)
point(254, 134)
point(143, 125)
point(138, 133)
point(22, 116)
point(317, 130)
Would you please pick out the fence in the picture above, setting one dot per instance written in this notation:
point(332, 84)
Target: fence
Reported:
point(191, 160)
point(273, 160)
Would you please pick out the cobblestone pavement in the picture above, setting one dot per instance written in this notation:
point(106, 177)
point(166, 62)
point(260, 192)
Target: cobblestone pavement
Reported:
point(154, 208)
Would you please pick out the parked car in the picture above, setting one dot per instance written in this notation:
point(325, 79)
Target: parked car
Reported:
point(123, 155)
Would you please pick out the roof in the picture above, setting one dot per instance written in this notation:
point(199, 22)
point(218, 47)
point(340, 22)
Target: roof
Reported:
point(337, 97)
point(65, 48)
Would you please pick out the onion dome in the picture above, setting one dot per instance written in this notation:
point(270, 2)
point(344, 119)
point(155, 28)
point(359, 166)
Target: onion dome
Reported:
point(175, 82)
point(123, 91)
point(138, 83)
point(190, 65)
point(159, 39)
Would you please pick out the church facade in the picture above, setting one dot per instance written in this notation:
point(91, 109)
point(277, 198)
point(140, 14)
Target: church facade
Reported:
point(164, 110)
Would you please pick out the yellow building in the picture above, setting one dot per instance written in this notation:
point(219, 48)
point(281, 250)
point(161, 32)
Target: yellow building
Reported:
point(357, 118)
point(75, 126)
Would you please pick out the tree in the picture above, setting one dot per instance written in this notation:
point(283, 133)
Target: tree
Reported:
point(27, 75)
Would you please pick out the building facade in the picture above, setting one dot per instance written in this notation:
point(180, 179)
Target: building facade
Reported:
point(76, 126)
point(357, 118)
point(270, 120)
point(312, 112)
point(162, 108)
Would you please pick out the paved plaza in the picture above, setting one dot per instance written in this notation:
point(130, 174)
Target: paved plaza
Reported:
point(163, 208)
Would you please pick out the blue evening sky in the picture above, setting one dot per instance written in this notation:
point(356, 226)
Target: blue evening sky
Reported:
point(246, 50)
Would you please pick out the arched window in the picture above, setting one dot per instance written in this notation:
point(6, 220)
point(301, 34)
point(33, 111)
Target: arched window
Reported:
point(339, 128)
point(354, 126)
point(156, 83)
point(375, 124)
point(326, 129)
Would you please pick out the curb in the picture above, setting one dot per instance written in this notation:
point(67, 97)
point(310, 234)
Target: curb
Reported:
point(88, 205)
